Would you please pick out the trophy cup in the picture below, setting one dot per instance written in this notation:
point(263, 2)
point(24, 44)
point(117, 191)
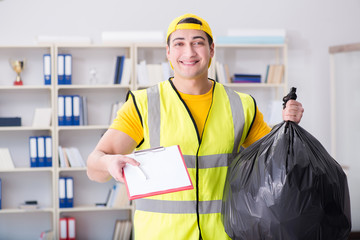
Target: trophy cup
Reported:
point(18, 66)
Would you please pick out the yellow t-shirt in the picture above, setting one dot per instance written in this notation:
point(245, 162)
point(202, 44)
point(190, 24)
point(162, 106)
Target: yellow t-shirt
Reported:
point(128, 120)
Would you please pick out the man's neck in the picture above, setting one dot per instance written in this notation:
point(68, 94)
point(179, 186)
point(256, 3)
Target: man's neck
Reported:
point(192, 86)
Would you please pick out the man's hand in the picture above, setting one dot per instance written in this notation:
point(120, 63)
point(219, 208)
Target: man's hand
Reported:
point(116, 163)
point(293, 111)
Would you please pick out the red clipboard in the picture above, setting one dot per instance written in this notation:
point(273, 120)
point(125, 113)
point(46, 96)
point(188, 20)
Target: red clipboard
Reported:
point(164, 169)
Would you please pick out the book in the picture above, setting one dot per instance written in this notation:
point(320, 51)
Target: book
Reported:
point(115, 107)
point(118, 196)
point(246, 78)
point(117, 69)
point(126, 75)
point(74, 157)
point(10, 121)
point(275, 73)
point(122, 230)
point(47, 235)
point(42, 117)
point(6, 162)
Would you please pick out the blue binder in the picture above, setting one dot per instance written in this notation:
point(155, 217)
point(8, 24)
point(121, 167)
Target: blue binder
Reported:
point(69, 199)
point(68, 110)
point(61, 110)
point(33, 151)
point(0, 193)
point(68, 68)
point(121, 70)
point(76, 105)
point(41, 151)
point(47, 69)
point(48, 151)
point(61, 69)
point(62, 192)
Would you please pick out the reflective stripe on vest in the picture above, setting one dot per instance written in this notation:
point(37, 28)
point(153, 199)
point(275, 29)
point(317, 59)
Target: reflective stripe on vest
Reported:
point(153, 97)
point(178, 207)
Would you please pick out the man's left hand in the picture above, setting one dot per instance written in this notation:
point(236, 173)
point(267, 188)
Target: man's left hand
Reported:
point(293, 111)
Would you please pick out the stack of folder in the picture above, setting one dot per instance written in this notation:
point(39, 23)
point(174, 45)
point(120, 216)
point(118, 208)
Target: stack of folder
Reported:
point(40, 148)
point(66, 192)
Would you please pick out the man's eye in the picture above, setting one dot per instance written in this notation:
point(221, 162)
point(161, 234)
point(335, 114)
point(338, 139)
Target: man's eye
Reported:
point(178, 44)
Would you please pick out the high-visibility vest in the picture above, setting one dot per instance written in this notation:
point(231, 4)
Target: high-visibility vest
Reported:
point(167, 121)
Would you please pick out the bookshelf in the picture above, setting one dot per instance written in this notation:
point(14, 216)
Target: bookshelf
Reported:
point(254, 59)
point(24, 183)
point(100, 95)
point(88, 59)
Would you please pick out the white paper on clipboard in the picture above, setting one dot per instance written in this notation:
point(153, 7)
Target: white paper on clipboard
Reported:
point(165, 171)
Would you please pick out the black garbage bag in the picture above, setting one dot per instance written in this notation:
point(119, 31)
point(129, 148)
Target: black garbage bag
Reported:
point(286, 186)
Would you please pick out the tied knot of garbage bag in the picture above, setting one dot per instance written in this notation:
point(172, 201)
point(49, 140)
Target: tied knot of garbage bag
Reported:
point(286, 186)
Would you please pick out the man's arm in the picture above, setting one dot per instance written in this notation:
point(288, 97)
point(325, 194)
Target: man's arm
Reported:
point(107, 160)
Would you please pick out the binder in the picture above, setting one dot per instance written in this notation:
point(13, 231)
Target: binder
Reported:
point(76, 110)
point(41, 151)
point(47, 69)
point(117, 69)
point(33, 151)
point(121, 70)
point(71, 228)
point(68, 110)
point(61, 69)
point(63, 232)
point(62, 193)
point(68, 68)
point(69, 197)
point(48, 151)
point(0, 192)
point(61, 110)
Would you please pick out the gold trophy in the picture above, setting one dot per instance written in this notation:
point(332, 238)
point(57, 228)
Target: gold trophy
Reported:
point(18, 66)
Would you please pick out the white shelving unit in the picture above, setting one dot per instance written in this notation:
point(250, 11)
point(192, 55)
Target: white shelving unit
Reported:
point(92, 222)
point(41, 184)
point(24, 183)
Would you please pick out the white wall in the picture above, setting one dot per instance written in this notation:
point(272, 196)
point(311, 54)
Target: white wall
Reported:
point(312, 27)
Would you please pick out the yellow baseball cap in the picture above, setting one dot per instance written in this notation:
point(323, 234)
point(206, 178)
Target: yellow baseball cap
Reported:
point(174, 25)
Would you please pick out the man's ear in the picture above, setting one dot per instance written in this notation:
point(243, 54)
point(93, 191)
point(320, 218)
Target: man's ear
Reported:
point(212, 50)
point(167, 51)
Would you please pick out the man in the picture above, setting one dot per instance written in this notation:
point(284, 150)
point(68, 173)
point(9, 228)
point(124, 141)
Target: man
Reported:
point(207, 120)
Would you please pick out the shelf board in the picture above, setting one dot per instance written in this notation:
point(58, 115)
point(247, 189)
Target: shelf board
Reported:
point(254, 85)
point(88, 127)
point(71, 169)
point(28, 169)
point(93, 209)
point(26, 87)
point(85, 86)
point(25, 128)
point(18, 210)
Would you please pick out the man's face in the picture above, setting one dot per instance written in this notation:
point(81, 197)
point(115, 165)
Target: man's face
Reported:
point(189, 53)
